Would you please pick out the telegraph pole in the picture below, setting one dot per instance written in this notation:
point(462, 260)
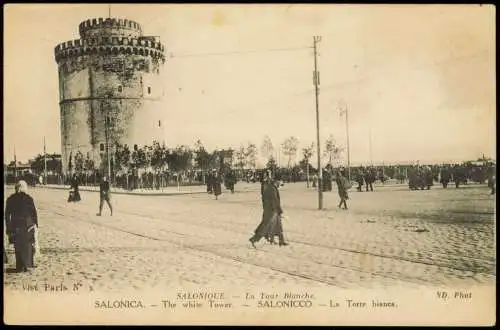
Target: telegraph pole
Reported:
point(105, 108)
point(316, 40)
point(346, 112)
point(107, 148)
point(44, 162)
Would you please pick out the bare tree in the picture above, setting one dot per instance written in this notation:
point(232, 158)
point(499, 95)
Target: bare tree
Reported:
point(290, 146)
point(332, 150)
point(251, 154)
point(267, 148)
point(308, 152)
point(240, 156)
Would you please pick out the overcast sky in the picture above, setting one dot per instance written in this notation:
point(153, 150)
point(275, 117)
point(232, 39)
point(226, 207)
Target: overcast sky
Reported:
point(420, 78)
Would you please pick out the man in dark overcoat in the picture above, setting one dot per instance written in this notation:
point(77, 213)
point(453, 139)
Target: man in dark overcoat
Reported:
point(492, 182)
point(369, 178)
point(342, 186)
point(210, 183)
point(360, 179)
point(105, 195)
point(21, 222)
point(445, 176)
point(217, 184)
point(74, 195)
point(230, 180)
point(270, 224)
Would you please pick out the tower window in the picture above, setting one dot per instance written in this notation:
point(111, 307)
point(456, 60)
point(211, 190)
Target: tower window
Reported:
point(120, 89)
point(101, 147)
point(149, 90)
point(159, 123)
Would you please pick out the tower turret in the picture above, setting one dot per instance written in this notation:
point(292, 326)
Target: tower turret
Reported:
point(110, 89)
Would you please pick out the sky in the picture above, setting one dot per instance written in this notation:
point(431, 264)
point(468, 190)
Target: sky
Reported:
point(418, 81)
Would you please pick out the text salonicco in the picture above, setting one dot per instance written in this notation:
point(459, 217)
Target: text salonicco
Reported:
point(284, 304)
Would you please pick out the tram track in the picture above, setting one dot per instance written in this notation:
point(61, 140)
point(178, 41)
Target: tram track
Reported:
point(330, 247)
point(196, 251)
point(338, 247)
point(239, 259)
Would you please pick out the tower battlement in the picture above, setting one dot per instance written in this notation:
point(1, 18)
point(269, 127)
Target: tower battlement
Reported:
point(110, 46)
point(112, 26)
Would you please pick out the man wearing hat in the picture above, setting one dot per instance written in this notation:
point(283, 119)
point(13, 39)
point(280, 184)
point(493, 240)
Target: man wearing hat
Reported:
point(105, 195)
point(216, 181)
point(21, 222)
point(270, 224)
point(343, 185)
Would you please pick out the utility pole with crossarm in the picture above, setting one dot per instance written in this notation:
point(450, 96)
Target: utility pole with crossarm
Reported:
point(316, 40)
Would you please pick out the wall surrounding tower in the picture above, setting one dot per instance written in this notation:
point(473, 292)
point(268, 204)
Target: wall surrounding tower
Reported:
point(112, 71)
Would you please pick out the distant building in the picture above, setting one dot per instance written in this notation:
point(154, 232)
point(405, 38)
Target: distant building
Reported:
point(17, 169)
point(110, 89)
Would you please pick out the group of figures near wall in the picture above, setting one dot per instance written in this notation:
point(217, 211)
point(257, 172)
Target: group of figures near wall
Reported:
point(422, 177)
point(148, 180)
point(214, 181)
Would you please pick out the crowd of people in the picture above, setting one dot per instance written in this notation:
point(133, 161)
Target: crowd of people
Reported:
point(22, 220)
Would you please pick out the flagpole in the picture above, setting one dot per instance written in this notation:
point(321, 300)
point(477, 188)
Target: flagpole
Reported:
point(15, 165)
point(370, 144)
point(348, 147)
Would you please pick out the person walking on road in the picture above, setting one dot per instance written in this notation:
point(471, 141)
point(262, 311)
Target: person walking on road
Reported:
point(105, 195)
point(342, 185)
point(21, 222)
point(230, 180)
point(492, 182)
point(445, 176)
point(217, 184)
point(271, 224)
point(74, 195)
point(210, 183)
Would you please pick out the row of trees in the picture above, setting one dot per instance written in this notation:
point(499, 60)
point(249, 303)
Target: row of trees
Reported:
point(290, 148)
point(159, 158)
point(182, 158)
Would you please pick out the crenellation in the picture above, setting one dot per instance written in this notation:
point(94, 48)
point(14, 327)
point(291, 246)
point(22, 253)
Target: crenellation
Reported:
point(117, 50)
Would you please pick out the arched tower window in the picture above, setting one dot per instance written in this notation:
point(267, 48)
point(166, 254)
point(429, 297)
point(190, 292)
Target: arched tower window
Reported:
point(149, 90)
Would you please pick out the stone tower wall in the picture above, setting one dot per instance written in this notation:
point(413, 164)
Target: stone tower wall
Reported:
point(112, 71)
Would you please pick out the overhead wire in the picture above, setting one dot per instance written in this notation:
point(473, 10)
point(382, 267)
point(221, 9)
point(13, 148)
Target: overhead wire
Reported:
point(229, 53)
point(286, 99)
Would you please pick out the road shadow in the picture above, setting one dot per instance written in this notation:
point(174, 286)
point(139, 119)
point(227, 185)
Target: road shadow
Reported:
point(12, 271)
